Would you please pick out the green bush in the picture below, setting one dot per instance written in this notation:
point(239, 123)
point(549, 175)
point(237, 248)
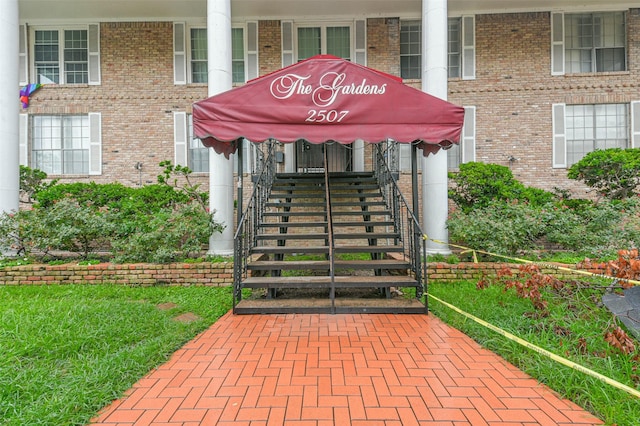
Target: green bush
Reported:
point(32, 181)
point(165, 236)
point(154, 223)
point(594, 230)
point(478, 185)
point(72, 227)
point(614, 172)
point(501, 228)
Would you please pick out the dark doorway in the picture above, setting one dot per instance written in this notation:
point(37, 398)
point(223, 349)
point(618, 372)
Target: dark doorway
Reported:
point(310, 157)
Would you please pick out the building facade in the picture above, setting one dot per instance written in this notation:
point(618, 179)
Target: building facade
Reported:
point(542, 82)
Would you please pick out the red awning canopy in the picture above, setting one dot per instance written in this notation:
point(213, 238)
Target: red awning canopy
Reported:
point(325, 98)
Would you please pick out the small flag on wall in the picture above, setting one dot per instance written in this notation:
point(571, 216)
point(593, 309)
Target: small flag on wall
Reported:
point(27, 91)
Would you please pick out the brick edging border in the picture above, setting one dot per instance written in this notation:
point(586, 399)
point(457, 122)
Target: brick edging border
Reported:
point(207, 274)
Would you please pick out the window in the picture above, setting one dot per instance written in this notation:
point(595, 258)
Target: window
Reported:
point(595, 42)
point(454, 50)
point(460, 49)
point(60, 144)
point(410, 49)
point(70, 45)
point(244, 61)
point(198, 55)
point(591, 127)
point(237, 55)
point(66, 56)
point(198, 155)
point(331, 40)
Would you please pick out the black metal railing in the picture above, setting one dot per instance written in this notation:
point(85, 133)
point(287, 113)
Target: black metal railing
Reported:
point(249, 222)
point(406, 223)
point(330, 238)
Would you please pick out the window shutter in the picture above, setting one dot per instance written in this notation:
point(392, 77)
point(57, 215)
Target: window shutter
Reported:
point(361, 42)
point(23, 138)
point(287, 43)
point(559, 137)
point(469, 135)
point(95, 143)
point(557, 43)
point(179, 54)
point(252, 50)
point(180, 138)
point(468, 47)
point(635, 124)
point(23, 57)
point(94, 53)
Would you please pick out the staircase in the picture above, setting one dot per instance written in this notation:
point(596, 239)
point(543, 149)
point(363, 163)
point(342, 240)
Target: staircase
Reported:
point(325, 243)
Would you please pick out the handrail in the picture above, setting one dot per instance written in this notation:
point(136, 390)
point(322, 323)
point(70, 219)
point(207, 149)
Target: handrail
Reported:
point(406, 222)
point(245, 236)
point(332, 294)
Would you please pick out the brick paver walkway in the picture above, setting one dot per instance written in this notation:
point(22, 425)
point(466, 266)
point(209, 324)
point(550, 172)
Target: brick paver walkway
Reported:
point(338, 370)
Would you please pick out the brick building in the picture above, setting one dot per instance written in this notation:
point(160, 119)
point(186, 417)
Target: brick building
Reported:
point(543, 82)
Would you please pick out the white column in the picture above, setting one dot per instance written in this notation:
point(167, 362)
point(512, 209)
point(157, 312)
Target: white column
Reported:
point(358, 155)
point(220, 80)
point(9, 91)
point(434, 82)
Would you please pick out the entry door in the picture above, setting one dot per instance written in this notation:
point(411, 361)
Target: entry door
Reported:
point(310, 157)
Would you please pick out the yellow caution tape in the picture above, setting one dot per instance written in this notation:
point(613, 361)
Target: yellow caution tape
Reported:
point(548, 265)
point(542, 351)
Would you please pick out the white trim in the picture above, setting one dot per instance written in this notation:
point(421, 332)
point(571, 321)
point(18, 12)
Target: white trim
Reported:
point(559, 143)
point(635, 124)
point(251, 56)
point(23, 55)
point(179, 53)
point(287, 43)
point(360, 41)
point(180, 142)
point(23, 137)
point(468, 50)
point(468, 140)
point(557, 43)
point(93, 60)
point(95, 143)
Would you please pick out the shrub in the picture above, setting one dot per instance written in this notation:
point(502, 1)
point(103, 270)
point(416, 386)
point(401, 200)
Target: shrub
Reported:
point(478, 185)
point(97, 195)
point(31, 182)
point(614, 172)
point(166, 236)
point(71, 226)
point(501, 228)
point(593, 230)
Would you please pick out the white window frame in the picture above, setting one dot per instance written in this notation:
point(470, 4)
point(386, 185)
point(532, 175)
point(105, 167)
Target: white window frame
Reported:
point(182, 63)
point(559, 146)
point(634, 113)
point(95, 142)
point(467, 45)
point(558, 50)
point(93, 52)
point(323, 35)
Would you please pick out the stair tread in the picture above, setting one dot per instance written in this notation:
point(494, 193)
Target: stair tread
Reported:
point(373, 281)
point(324, 264)
point(293, 224)
point(280, 236)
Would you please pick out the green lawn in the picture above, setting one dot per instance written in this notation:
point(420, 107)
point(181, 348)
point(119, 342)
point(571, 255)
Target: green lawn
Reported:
point(572, 327)
point(67, 351)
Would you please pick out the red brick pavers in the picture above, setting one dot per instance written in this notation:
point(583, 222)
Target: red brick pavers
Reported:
point(338, 370)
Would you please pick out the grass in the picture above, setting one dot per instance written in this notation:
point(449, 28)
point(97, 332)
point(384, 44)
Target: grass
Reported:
point(573, 328)
point(67, 351)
